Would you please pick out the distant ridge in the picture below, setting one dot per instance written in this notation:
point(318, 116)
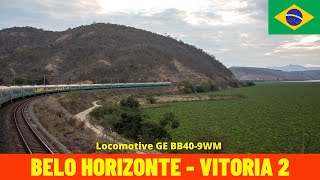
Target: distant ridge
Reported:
point(293, 67)
point(265, 74)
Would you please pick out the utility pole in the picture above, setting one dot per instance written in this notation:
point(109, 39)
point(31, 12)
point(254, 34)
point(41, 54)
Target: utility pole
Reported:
point(70, 79)
point(14, 79)
point(0, 99)
point(44, 80)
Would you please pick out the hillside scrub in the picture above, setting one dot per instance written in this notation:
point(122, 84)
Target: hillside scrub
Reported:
point(105, 53)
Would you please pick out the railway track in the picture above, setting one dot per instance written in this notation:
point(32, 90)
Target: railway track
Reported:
point(33, 141)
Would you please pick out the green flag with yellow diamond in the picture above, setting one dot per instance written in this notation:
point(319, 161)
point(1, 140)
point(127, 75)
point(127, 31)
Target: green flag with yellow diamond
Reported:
point(294, 16)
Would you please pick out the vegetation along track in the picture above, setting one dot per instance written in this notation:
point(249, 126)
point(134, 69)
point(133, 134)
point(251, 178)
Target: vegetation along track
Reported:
point(32, 140)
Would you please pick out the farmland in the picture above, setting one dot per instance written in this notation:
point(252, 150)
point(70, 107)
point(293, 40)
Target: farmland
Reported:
point(270, 118)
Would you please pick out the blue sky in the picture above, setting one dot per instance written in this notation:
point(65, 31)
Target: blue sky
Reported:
point(234, 31)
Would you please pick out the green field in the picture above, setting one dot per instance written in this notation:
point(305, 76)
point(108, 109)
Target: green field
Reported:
point(271, 118)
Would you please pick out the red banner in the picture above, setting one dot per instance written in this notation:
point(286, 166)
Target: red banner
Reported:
point(127, 166)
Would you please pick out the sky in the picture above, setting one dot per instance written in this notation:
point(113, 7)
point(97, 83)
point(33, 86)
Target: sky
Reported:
point(234, 31)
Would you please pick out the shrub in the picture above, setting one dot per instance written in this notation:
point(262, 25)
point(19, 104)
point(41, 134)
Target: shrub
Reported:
point(108, 114)
point(169, 119)
point(129, 125)
point(187, 87)
point(251, 83)
point(175, 124)
point(152, 132)
point(151, 100)
point(204, 86)
point(247, 83)
point(130, 102)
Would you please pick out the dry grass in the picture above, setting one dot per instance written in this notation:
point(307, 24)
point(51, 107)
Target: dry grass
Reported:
point(59, 122)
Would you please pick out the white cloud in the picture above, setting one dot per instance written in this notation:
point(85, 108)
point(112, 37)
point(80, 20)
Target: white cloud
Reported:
point(244, 35)
point(299, 45)
point(151, 7)
point(304, 43)
point(70, 9)
point(194, 12)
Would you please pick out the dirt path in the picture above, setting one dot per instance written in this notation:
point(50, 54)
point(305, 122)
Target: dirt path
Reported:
point(83, 116)
point(101, 132)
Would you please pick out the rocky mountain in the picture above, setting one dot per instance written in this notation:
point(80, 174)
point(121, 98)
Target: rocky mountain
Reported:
point(264, 74)
point(105, 53)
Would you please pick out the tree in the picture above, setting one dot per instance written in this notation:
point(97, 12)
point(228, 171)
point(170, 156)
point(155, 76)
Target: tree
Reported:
point(1, 81)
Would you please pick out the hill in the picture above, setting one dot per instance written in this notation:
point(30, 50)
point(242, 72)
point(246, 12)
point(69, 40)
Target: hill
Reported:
point(105, 53)
point(264, 74)
point(293, 67)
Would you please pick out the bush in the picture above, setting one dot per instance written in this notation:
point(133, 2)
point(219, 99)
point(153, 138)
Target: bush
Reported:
point(187, 87)
point(247, 83)
point(129, 125)
point(169, 119)
point(204, 86)
point(175, 124)
point(108, 114)
point(151, 100)
point(251, 83)
point(130, 102)
point(152, 132)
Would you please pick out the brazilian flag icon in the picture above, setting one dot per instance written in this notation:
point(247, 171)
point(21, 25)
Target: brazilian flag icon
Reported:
point(294, 16)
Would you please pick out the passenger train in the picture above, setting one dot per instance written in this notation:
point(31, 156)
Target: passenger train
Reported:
point(8, 94)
